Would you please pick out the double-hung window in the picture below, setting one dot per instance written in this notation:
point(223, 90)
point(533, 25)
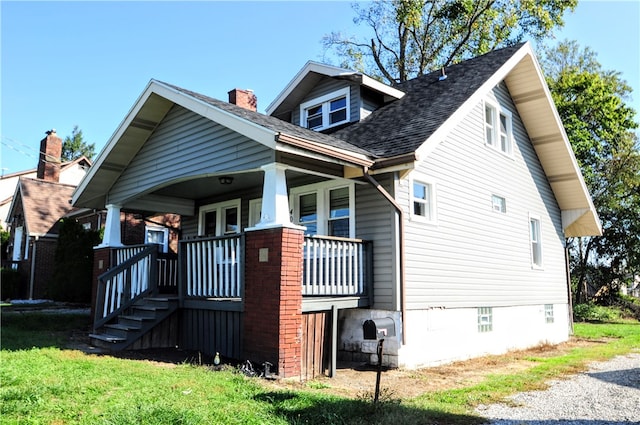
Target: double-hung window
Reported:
point(536, 242)
point(325, 111)
point(220, 219)
point(325, 209)
point(423, 200)
point(498, 128)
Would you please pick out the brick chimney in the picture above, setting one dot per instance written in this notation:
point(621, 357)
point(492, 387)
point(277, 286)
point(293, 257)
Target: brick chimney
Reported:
point(244, 98)
point(50, 153)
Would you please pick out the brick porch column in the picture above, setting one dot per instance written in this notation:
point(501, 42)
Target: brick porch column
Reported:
point(273, 298)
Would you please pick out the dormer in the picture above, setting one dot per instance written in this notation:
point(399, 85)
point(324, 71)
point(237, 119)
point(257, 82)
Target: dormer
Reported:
point(326, 98)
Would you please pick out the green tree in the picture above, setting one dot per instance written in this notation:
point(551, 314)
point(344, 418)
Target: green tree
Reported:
point(73, 268)
point(600, 127)
point(413, 37)
point(74, 146)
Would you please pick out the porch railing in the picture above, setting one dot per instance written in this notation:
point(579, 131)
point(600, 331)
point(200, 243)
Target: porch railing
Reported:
point(336, 266)
point(133, 276)
point(212, 267)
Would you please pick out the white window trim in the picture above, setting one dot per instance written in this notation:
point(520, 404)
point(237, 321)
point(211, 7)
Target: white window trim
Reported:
point(322, 190)
point(165, 244)
point(493, 205)
point(218, 207)
point(495, 143)
point(533, 264)
point(324, 101)
point(421, 179)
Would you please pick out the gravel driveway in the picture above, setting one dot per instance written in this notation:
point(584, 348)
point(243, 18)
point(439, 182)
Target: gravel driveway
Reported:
point(608, 393)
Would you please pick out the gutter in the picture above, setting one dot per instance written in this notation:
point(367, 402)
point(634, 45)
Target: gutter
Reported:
point(398, 208)
point(324, 150)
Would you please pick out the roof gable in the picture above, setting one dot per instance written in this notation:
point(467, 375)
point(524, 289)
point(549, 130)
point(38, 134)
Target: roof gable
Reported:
point(433, 106)
point(156, 101)
point(308, 77)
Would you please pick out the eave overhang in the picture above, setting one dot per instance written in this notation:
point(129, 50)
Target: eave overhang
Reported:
point(527, 86)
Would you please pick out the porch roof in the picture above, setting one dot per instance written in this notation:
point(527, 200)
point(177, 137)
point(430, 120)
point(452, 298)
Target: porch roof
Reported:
point(156, 101)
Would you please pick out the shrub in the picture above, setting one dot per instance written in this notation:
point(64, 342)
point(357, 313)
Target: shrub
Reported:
point(9, 284)
point(590, 312)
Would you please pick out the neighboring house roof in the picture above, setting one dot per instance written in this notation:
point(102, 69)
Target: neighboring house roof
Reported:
point(44, 203)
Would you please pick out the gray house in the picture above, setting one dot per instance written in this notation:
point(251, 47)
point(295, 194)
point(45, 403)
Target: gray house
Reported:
point(435, 212)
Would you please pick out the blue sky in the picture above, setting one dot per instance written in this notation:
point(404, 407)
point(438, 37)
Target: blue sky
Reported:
point(86, 63)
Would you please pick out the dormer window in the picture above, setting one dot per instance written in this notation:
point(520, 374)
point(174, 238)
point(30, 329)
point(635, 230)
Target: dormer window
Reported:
point(326, 111)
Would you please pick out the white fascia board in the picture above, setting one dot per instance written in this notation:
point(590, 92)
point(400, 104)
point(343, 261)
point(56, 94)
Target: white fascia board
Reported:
point(113, 140)
point(381, 87)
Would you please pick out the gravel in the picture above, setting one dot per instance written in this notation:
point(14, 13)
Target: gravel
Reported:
point(608, 393)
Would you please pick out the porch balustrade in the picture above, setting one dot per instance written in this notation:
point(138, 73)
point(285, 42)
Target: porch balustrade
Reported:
point(212, 267)
point(335, 266)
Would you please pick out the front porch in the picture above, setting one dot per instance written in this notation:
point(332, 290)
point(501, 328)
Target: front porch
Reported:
point(269, 295)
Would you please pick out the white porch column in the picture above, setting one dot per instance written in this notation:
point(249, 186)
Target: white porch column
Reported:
point(112, 228)
point(275, 201)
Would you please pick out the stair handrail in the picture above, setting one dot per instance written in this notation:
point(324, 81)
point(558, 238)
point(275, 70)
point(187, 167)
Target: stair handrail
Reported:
point(126, 297)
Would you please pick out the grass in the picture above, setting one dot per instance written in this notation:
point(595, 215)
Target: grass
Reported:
point(43, 383)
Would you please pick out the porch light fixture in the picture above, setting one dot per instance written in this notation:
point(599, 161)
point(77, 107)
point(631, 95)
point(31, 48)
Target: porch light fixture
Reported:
point(225, 179)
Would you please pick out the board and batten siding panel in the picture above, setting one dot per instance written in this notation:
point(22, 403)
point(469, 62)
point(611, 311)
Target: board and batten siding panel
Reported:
point(326, 86)
point(473, 256)
point(375, 221)
point(185, 145)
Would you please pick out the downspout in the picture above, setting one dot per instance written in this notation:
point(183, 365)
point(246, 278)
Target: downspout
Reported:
point(33, 266)
point(398, 208)
point(567, 256)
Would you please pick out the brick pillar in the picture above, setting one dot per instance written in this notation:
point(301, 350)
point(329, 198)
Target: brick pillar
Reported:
point(101, 263)
point(273, 298)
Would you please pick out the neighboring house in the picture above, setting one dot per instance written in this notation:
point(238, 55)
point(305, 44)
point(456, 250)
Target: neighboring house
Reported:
point(38, 204)
point(433, 214)
point(70, 173)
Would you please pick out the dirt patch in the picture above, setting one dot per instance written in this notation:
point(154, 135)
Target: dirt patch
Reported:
point(357, 380)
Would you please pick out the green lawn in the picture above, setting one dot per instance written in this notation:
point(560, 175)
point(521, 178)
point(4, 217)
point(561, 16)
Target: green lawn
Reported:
point(42, 383)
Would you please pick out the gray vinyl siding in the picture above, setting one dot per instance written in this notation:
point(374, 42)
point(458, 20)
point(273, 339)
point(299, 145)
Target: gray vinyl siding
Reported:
point(375, 221)
point(329, 85)
point(473, 256)
point(185, 145)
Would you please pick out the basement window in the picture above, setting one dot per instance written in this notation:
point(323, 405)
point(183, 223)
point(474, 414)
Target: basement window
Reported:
point(548, 313)
point(325, 111)
point(485, 319)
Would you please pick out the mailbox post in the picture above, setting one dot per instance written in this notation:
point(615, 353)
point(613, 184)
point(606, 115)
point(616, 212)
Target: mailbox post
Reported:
point(379, 329)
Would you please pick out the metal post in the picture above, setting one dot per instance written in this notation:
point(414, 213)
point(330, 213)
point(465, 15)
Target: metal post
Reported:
point(379, 374)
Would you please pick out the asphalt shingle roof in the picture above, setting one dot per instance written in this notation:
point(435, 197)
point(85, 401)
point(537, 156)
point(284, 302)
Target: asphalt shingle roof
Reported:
point(402, 126)
point(44, 203)
point(274, 124)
